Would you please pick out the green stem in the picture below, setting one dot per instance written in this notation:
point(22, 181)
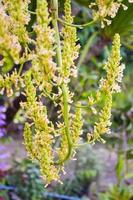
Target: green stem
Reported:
point(80, 26)
point(30, 11)
point(20, 69)
point(82, 106)
point(63, 86)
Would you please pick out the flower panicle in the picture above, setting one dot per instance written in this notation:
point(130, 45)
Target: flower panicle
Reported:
point(9, 45)
point(42, 140)
point(68, 69)
point(43, 64)
point(50, 81)
point(42, 13)
point(20, 17)
point(106, 10)
point(108, 86)
point(113, 68)
point(69, 45)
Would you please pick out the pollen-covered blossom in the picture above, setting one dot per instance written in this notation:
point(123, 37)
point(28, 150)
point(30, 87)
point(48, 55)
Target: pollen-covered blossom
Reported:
point(9, 45)
point(18, 11)
point(104, 10)
point(103, 125)
point(108, 86)
point(39, 146)
point(69, 46)
point(113, 68)
point(43, 65)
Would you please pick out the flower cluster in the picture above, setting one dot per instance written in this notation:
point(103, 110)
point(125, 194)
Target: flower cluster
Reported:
point(108, 86)
point(69, 45)
point(18, 11)
point(40, 144)
point(48, 76)
point(113, 68)
point(9, 45)
point(14, 38)
point(43, 65)
point(105, 10)
point(70, 129)
point(44, 75)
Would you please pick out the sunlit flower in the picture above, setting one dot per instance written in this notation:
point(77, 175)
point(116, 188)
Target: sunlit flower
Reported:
point(43, 65)
point(18, 11)
point(9, 44)
point(104, 10)
point(69, 45)
point(39, 146)
point(108, 86)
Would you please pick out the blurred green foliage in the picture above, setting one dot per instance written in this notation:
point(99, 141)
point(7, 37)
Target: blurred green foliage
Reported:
point(25, 177)
point(118, 193)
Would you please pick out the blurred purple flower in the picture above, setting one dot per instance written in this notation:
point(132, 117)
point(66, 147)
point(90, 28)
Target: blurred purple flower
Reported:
point(1, 147)
point(4, 156)
point(2, 109)
point(2, 121)
point(1, 134)
point(4, 167)
point(2, 116)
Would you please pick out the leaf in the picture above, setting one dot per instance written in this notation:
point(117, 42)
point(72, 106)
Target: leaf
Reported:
point(8, 63)
point(129, 154)
point(120, 167)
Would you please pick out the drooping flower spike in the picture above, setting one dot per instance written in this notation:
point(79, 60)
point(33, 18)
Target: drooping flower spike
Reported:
point(108, 86)
point(52, 67)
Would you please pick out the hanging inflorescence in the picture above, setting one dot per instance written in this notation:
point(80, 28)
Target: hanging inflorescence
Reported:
point(107, 87)
point(106, 10)
point(52, 67)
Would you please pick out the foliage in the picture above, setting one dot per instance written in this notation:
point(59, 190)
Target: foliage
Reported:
point(25, 177)
point(123, 193)
point(3, 194)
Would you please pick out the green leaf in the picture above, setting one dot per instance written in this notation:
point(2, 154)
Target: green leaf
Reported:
point(129, 154)
point(8, 63)
point(120, 167)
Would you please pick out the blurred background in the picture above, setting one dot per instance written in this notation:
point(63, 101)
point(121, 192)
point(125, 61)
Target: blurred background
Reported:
point(101, 171)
